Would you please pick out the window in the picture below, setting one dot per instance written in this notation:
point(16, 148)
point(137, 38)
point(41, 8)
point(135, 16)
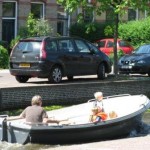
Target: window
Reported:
point(101, 43)
point(51, 46)
point(9, 20)
point(131, 14)
point(66, 46)
point(37, 9)
point(9, 9)
point(110, 44)
point(82, 47)
point(63, 21)
point(88, 16)
point(28, 46)
point(109, 14)
point(92, 47)
point(123, 43)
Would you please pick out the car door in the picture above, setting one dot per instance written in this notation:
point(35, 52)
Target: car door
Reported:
point(69, 56)
point(87, 60)
point(109, 47)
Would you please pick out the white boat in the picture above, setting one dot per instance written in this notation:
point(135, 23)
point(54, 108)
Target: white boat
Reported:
point(129, 109)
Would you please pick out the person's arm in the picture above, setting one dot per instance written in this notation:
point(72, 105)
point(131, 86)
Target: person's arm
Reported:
point(48, 120)
point(14, 118)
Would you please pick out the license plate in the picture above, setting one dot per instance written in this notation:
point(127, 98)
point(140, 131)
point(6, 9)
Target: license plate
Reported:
point(24, 65)
point(126, 67)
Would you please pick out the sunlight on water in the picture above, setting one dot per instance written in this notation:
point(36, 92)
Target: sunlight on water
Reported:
point(9, 146)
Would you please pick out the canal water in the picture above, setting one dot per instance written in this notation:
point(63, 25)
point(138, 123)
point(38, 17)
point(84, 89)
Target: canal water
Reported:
point(145, 132)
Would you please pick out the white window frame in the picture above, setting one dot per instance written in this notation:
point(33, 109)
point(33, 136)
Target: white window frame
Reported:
point(14, 18)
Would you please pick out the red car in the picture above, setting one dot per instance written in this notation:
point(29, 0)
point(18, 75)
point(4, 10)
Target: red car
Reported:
point(106, 46)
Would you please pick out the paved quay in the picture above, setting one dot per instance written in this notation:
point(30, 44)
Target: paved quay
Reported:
point(7, 80)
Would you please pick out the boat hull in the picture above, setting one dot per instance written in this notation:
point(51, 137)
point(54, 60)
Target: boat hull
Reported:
point(85, 134)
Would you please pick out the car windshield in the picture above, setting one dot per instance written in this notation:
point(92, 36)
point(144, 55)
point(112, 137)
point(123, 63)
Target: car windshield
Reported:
point(143, 50)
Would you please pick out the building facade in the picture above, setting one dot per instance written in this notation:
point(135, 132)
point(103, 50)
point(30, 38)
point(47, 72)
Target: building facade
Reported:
point(14, 13)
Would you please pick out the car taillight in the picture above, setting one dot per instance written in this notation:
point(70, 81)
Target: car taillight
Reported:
point(43, 51)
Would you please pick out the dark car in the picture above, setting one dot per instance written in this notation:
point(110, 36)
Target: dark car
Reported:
point(56, 57)
point(106, 46)
point(138, 62)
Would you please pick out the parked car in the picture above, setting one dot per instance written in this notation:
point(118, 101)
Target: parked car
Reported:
point(56, 57)
point(138, 62)
point(106, 46)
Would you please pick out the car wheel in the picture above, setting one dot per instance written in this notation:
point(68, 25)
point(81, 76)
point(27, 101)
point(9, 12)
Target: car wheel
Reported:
point(70, 78)
point(101, 71)
point(149, 73)
point(55, 75)
point(22, 79)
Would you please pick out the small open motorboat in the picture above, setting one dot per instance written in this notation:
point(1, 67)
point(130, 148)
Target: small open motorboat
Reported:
point(129, 111)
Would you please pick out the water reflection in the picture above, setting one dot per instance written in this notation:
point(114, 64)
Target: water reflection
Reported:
point(8, 146)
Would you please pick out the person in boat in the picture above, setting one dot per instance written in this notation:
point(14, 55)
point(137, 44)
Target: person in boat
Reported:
point(97, 112)
point(35, 113)
point(98, 101)
point(97, 116)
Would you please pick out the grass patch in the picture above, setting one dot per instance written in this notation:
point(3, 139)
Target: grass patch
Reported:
point(49, 108)
point(19, 111)
point(148, 110)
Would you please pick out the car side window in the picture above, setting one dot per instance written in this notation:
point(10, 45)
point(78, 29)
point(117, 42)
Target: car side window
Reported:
point(51, 46)
point(123, 43)
point(110, 44)
point(92, 47)
point(82, 47)
point(101, 44)
point(66, 46)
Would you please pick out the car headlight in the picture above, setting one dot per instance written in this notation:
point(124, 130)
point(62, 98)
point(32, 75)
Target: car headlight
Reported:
point(141, 62)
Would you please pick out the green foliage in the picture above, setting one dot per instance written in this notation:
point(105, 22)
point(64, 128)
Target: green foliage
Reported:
point(4, 44)
point(14, 41)
point(34, 27)
point(4, 57)
point(12, 112)
point(108, 31)
point(42, 27)
point(120, 53)
point(48, 108)
point(137, 32)
point(23, 32)
point(31, 23)
point(88, 31)
point(37, 27)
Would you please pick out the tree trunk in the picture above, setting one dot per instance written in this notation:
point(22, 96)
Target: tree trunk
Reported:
point(115, 44)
